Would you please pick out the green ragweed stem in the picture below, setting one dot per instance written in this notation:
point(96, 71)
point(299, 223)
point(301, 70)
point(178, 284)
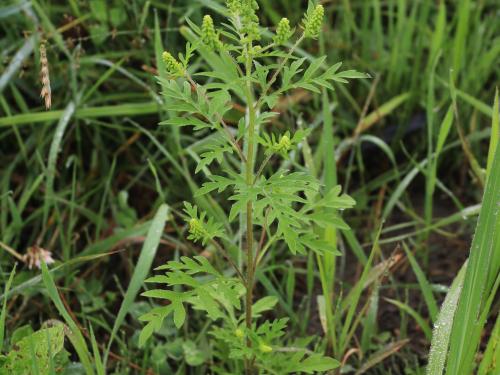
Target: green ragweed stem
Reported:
point(209, 36)
point(313, 21)
point(249, 179)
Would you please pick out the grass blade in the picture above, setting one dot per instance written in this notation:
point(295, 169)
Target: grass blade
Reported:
point(490, 362)
point(77, 337)
point(495, 133)
point(99, 365)
point(442, 327)
point(126, 109)
point(423, 283)
point(16, 62)
point(142, 269)
point(4, 306)
point(481, 275)
point(380, 355)
point(54, 150)
point(415, 315)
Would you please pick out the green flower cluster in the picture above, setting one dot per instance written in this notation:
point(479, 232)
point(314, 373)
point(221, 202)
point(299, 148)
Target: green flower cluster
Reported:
point(283, 31)
point(172, 66)
point(313, 21)
point(196, 230)
point(234, 6)
point(245, 10)
point(249, 19)
point(208, 34)
point(283, 145)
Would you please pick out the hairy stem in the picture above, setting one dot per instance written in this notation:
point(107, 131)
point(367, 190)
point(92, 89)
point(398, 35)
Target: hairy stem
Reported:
point(249, 178)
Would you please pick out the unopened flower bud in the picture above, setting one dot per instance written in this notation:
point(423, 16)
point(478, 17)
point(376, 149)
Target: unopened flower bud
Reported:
point(283, 145)
point(239, 333)
point(282, 31)
point(249, 19)
point(196, 229)
point(208, 34)
point(265, 348)
point(313, 22)
point(172, 66)
point(234, 6)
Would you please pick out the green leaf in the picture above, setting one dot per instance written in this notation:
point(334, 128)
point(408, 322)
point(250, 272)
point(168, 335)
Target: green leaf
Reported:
point(146, 333)
point(313, 68)
point(36, 350)
point(99, 10)
point(324, 219)
point(352, 74)
point(204, 301)
point(155, 320)
point(317, 362)
point(193, 355)
point(263, 304)
point(179, 314)
point(117, 15)
point(163, 294)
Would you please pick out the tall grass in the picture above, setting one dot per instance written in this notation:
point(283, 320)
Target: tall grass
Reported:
point(480, 285)
point(62, 178)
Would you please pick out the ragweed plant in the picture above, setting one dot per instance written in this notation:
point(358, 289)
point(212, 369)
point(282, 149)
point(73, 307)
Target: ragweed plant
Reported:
point(273, 206)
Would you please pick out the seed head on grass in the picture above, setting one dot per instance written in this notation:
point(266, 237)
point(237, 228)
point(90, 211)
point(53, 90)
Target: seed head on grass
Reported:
point(46, 92)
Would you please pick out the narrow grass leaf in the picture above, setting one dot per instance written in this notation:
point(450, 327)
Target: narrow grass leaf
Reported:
point(442, 326)
point(380, 355)
point(141, 270)
point(415, 315)
point(54, 150)
point(99, 366)
point(425, 287)
point(482, 273)
point(16, 62)
point(4, 306)
point(382, 111)
point(490, 364)
point(495, 134)
point(78, 339)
